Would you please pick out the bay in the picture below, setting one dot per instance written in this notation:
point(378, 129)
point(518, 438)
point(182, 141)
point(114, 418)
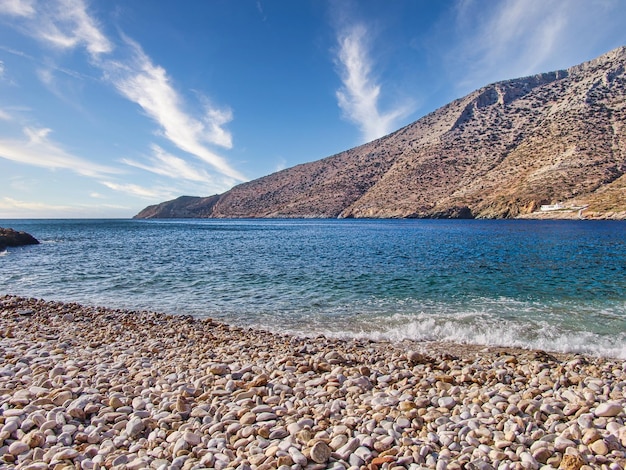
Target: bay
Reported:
point(554, 285)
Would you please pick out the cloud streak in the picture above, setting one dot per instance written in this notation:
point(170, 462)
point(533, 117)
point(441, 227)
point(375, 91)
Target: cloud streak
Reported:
point(522, 37)
point(38, 150)
point(359, 96)
point(137, 190)
point(166, 164)
point(148, 85)
point(63, 24)
point(11, 208)
point(17, 7)
point(11, 204)
point(67, 25)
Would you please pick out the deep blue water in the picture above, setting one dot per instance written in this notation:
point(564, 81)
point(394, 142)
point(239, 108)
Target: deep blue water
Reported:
point(555, 285)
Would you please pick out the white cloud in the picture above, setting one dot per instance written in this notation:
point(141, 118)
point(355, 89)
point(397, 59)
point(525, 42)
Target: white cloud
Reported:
point(515, 38)
point(17, 7)
point(7, 203)
point(46, 77)
point(38, 150)
point(281, 164)
point(359, 96)
point(259, 7)
point(166, 164)
point(136, 190)
point(214, 119)
point(4, 116)
point(149, 86)
point(62, 24)
point(65, 24)
point(515, 29)
point(11, 208)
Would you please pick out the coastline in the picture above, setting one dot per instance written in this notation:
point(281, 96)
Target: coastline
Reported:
point(101, 388)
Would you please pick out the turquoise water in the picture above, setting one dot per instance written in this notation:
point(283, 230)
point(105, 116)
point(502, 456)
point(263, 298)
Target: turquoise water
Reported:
point(555, 285)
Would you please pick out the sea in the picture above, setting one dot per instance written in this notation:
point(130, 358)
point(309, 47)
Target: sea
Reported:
point(551, 285)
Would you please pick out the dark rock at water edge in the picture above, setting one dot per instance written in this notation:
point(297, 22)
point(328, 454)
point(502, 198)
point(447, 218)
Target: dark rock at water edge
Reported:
point(10, 237)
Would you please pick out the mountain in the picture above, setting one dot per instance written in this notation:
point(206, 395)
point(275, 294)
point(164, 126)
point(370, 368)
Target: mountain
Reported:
point(502, 151)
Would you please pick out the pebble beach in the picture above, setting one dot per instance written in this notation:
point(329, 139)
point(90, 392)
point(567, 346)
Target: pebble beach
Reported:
point(85, 387)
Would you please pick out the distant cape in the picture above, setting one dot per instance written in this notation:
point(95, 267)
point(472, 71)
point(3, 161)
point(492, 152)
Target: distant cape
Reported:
point(551, 145)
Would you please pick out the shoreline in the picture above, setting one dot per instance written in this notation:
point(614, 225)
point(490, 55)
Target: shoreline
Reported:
point(101, 388)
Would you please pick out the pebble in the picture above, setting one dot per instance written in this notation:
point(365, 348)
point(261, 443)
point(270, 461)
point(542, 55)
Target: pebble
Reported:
point(320, 452)
point(93, 388)
point(610, 409)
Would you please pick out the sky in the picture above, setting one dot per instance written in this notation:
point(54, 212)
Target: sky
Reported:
point(108, 106)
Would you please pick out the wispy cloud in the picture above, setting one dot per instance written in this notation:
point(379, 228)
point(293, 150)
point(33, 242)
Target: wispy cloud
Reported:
point(11, 204)
point(259, 7)
point(166, 164)
point(150, 87)
point(66, 25)
point(136, 190)
point(38, 150)
point(11, 208)
point(62, 24)
point(514, 38)
point(359, 96)
point(17, 7)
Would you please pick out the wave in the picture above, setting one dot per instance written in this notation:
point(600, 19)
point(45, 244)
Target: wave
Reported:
point(507, 334)
point(502, 323)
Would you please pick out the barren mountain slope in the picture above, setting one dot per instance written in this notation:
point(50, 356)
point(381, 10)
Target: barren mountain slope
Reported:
point(501, 151)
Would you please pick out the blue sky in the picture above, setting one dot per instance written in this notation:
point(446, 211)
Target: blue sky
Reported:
point(108, 106)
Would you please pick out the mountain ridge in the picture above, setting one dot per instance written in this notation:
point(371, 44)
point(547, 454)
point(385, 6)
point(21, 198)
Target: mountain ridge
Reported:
point(501, 151)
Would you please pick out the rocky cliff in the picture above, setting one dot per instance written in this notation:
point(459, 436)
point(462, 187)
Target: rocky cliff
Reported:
point(502, 151)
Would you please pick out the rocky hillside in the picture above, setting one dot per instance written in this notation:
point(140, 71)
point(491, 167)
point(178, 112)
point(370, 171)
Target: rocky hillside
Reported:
point(502, 151)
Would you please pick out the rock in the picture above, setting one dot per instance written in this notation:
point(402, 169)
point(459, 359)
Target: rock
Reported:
point(561, 444)
point(298, 457)
point(134, 427)
point(447, 402)
point(415, 357)
point(12, 238)
point(76, 409)
point(267, 416)
point(599, 447)
point(571, 462)
point(338, 441)
point(542, 454)
point(18, 447)
point(34, 439)
point(248, 418)
point(65, 454)
point(219, 369)
point(590, 436)
point(320, 452)
point(192, 438)
point(608, 409)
